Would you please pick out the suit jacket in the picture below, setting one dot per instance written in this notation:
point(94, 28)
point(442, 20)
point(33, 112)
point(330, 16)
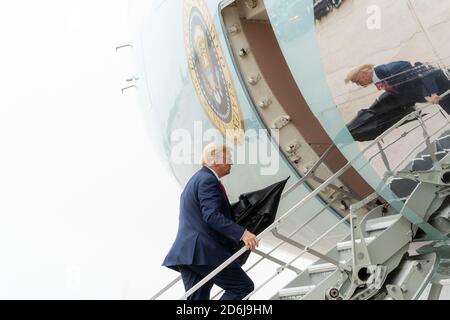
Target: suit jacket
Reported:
point(414, 82)
point(207, 233)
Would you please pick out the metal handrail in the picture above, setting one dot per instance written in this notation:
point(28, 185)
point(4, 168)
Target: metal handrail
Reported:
point(308, 175)
point(415, 114)
point(304, 224)
point(403, 135)
point(281, 269)
point(287, 265)
point(427, 136)
point(277, 222)
point(167, 287)
point(314, 193)
point(416, 147)
point(310, 172)
point(385, 178)
point(405, 158)
point(308, 249)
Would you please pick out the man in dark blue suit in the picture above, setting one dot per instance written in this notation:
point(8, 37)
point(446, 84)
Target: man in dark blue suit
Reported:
point(418, 83)
point(207, 233)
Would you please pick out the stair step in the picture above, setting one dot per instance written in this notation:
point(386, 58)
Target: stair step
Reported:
point(441, 154)
point(303, 290)
point(346, 245)
point(381, 223)
point(426, 163)
point(436, 146)
point(321, 268)
point(297, 291)
point(443, 143)
point(422, 164)
point(403, 187)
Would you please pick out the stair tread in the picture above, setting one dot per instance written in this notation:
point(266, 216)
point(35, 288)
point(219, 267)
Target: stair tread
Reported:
point(403, 187)
point(381, 223)
point(320, 268)
point(345, 245)
point(295, 291)
point(425, 162)
point(443, 142)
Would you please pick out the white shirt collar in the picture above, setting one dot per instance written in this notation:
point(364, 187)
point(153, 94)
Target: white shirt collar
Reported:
point(217, 176)
point(375, 78)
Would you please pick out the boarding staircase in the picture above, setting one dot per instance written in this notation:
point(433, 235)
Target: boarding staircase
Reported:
point(394, 250)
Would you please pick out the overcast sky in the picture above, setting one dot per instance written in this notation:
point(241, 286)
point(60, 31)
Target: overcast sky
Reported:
point(81, 184)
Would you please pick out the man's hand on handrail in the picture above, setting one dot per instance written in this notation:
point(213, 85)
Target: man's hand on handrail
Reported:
point(434, 99)
point(250, 240)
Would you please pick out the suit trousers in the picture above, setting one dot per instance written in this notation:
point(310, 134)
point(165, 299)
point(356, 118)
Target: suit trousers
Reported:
point(233, 280)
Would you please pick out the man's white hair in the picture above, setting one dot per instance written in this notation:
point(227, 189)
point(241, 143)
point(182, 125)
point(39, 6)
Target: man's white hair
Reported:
point(352, 75)
point(214, 154)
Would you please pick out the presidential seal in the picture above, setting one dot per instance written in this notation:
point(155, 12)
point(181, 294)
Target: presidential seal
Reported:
point(209, 71)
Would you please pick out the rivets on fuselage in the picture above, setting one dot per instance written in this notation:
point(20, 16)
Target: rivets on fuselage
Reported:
point(234, 29)
point(251, 4)
point(243, 52)
point(265, 102)
point(281, 122)
point(293, 152)
point(254, 79)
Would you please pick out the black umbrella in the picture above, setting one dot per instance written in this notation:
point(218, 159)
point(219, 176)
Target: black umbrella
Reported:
point(256, 210)
point(387, 110)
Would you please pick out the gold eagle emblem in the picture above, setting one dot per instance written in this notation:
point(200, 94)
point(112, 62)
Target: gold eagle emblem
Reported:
point(209, 71)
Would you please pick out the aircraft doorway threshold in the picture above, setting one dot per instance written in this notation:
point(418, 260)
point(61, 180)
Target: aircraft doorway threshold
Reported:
point(280, 104)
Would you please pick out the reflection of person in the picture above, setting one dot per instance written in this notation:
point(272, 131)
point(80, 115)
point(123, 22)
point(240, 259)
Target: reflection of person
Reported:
point(207, 233)
point(419, 83)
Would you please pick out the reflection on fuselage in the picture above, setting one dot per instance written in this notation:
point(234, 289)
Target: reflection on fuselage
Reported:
point(382, 75)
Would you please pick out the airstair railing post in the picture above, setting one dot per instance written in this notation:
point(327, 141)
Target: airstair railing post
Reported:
point(277, 222)
point(299, 204)
point(310, 172)
point(281, 269)
point(285, 193)
point(170, 285)
point(429, 145)
point(384, 157)
point(338, 198)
